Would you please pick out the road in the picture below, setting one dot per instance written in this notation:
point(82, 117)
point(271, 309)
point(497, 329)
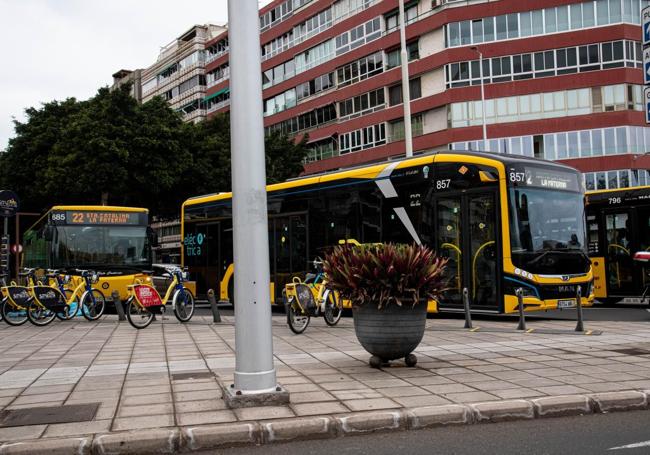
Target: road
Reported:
point(617, 433)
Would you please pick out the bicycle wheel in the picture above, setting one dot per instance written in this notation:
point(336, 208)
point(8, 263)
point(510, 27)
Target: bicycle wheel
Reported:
point(13, 315)
point(333, 308)
point(71, 309)
point(183, 302)
point(93, 304)
point(298, 321)
point(137, 316)
point(39, 315)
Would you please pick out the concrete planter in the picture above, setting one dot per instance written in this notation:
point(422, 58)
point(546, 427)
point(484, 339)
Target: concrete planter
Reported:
point(390, 333)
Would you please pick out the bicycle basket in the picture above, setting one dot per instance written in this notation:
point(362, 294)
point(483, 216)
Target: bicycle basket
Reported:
point(147, 296)
point(306, 298)
point(49, 297)
point(19, 295)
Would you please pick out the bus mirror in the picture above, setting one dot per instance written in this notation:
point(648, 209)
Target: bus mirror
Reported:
point(153, 237)
point(48, 233)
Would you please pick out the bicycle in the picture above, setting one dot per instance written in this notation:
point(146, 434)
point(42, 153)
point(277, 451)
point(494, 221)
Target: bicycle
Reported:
point(15, 301)
point(144, 301)
point(57, 301)
point(312, 297)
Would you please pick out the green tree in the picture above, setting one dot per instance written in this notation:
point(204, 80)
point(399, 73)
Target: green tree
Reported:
point(24, 166)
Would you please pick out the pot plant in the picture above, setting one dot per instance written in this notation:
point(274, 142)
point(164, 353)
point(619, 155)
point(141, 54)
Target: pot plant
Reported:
point(389, 286)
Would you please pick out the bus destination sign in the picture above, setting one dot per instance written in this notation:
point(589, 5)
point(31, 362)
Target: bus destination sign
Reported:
point(541, 177)
point(92, 217)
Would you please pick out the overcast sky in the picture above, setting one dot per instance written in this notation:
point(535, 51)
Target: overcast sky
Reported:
point(55, 49)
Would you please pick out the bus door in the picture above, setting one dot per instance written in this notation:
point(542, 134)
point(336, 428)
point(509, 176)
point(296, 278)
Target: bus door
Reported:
point(287, 249)
point(619, 250)
point(643, 241)
point(467, 235)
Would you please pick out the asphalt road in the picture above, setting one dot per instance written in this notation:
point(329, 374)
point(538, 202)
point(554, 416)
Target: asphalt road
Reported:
point(617, 433)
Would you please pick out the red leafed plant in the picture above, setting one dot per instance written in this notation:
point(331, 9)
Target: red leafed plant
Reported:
point(383, 274)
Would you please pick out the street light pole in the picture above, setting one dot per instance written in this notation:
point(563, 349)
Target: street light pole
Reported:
point(255, 378)
point(480, 55)
point(406, 93)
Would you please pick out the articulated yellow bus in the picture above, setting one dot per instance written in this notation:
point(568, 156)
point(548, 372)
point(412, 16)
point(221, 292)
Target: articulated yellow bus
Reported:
point(115, 241)
point(618, 226)
point(504, 221)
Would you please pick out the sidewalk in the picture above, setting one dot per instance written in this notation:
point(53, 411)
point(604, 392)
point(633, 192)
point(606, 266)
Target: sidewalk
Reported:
point(164, 382)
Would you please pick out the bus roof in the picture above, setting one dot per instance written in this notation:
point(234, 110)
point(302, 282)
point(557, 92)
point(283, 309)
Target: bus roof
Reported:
point(617, 190)
point(99, 208)
point(629, 195)
point(373, 169)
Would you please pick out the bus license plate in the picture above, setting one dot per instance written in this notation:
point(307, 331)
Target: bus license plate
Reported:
point(566, 303)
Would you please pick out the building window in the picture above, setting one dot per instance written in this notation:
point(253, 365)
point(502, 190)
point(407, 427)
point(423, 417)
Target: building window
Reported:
point(364, 138)
point(365, 103)
point(393, 57)
point(540, 22)
point(615, 54)
point(358, 36)
point(395, 92)
point(410, 12)
point(360, 69)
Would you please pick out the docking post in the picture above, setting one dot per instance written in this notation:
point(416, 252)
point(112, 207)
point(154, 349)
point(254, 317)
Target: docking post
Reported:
point(468, 315)
point(216, 316)
point(118, 306)
point(522, 318)
point(579, 326)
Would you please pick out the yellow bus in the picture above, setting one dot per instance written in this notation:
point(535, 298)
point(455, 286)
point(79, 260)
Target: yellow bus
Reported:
point(115, 241)
point(504, 221)
point(618, 226)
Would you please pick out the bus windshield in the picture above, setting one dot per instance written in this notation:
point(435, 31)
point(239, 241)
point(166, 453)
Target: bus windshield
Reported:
point(547, 230)
point(97, 246)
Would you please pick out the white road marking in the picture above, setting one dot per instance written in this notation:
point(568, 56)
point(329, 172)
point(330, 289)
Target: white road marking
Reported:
point(633, 446)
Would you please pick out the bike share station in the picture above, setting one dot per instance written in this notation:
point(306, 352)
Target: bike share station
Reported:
point(9, 205)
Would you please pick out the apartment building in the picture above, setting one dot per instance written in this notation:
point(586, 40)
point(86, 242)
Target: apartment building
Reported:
point(562, 80)
point(179, 74)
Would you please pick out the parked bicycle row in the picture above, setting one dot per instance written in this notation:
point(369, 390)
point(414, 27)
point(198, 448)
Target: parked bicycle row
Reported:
point(58, 295)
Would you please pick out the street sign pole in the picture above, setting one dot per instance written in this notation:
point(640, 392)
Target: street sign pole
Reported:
point(255, 377)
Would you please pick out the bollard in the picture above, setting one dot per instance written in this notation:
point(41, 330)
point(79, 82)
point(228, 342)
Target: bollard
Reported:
point(579, 325)
point(468, 315)
point(118, 306)
point(522, 318)
point(216, 316)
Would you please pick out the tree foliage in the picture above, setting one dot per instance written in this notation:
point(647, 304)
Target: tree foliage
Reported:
point(112, 150)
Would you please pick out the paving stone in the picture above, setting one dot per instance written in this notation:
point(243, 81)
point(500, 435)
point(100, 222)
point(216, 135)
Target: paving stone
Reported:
point(407, 391)
point(205, 417)
point(147, 399)
point(133, 423)
point(20, 433)
point(449, 388)
point(198, 395)
point(307, 397)
point(421, 400)
point(469, 397)
point(146, 410)
point(370, 404)
point(199, 406)
point(561, 390)
point(327, 407)
point(262, 413)
point(78, 428)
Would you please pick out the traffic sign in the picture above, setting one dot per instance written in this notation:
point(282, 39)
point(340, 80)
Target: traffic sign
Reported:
point(646, 66)
point(646, 101)
point(16, 248)
point(645, 20)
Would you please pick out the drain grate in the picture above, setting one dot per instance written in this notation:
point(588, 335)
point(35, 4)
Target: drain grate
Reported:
point(192, 375)
point(48, 414)
point(631, 351)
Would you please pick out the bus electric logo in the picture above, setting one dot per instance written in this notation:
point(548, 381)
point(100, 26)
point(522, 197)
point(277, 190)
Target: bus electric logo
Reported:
point(565, 277)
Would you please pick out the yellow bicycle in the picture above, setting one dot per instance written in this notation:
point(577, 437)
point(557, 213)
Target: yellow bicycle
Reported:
point(312, 297)
point(144, 301)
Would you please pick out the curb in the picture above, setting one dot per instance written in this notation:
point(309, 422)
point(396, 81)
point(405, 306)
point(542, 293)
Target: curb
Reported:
point(210, 437)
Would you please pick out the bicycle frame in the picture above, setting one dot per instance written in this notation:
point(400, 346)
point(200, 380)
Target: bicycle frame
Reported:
point(175, 285)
